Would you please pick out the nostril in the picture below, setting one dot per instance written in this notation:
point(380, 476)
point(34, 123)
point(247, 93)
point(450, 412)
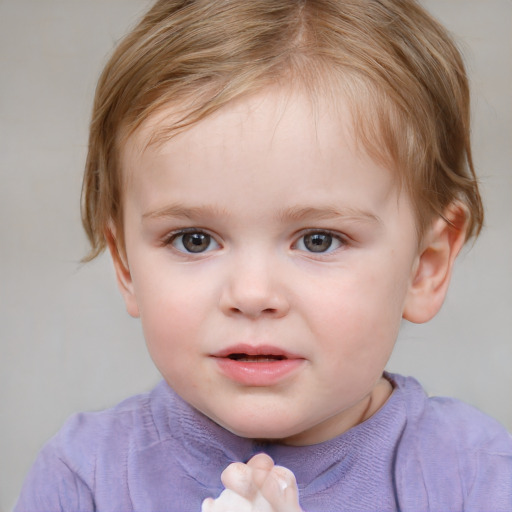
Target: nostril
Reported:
point(253, 302)
point(266, 311)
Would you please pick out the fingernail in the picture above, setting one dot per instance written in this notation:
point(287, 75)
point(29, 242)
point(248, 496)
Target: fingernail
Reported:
point(283, 484)
point(206, 506)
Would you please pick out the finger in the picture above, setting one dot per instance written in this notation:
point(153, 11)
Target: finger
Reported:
point(281, 491)
point(239, 478)
point(261, 461)
point(228, 501)
point(208, 505)
point(261, 464)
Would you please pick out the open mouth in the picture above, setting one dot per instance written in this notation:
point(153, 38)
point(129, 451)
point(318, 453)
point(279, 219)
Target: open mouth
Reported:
point(263, 358)
point(257, 365)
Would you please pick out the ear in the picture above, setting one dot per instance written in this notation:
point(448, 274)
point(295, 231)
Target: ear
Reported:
point(432, 273)
point(124, 278)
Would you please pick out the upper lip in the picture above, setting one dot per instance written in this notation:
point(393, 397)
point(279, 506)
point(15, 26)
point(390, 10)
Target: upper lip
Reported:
point(256, 350)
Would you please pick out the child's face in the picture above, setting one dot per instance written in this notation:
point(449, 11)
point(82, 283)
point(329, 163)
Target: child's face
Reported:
point(270, 263)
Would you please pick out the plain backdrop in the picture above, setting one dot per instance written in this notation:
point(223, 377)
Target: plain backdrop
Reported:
point(67, 343)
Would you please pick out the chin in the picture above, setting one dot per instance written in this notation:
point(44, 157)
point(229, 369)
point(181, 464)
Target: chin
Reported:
point(270, 430)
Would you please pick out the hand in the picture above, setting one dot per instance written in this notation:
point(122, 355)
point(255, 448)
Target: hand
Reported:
point(258, 486)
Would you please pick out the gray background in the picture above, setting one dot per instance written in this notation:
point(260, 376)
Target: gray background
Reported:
point(67, 343)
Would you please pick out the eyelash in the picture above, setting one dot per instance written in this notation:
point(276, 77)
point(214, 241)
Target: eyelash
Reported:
point(335, 238)
point(172, 238)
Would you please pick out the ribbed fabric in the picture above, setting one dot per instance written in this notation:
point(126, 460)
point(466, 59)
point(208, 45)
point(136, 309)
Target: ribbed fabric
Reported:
point(155, 453)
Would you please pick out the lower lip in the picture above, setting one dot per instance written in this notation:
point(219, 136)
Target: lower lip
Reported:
point(264, 373)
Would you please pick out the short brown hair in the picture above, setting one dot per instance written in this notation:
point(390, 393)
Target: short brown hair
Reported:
point(396, 65)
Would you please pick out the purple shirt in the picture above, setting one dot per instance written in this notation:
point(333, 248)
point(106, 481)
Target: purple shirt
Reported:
point(155, 453)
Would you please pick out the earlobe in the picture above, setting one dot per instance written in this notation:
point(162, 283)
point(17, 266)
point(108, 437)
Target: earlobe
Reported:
point(432, 273)
point(123, 276)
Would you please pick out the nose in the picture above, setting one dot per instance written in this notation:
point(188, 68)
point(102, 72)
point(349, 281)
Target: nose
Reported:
point(253, 289)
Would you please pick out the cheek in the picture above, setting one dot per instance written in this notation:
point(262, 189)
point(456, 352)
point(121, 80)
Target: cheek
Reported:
point(173, 308)
point(173, 330)
point(361, 306)
point(172, 318)
point(167, 288)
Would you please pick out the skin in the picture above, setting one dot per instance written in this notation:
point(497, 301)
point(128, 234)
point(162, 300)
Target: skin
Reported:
point(258, 486)
point(256, 180)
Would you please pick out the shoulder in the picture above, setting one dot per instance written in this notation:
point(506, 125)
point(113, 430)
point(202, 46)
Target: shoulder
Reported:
point(432, 420)
point(89, 456)
point(132, 424)
point(457, 452)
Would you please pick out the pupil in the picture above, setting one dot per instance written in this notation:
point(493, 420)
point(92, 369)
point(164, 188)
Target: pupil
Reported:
point(318, 242)
point(196, 242)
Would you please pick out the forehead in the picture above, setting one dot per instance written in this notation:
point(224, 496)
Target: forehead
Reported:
point(277, 120)
point(260, 156)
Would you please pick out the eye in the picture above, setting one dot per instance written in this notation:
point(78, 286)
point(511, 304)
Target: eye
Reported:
point(193, 242)
point(319, 242)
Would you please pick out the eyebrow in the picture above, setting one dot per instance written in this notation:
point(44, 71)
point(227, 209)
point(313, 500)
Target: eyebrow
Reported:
point(181, 211)
point(328, 213)
point(294, 214)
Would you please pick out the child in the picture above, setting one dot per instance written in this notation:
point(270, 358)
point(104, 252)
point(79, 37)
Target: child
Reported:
point(279, 183)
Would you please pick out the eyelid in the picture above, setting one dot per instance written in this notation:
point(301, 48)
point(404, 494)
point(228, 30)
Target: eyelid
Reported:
point(311, 231)
point(185, 231)
point(169, 238)
point(343, 239)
